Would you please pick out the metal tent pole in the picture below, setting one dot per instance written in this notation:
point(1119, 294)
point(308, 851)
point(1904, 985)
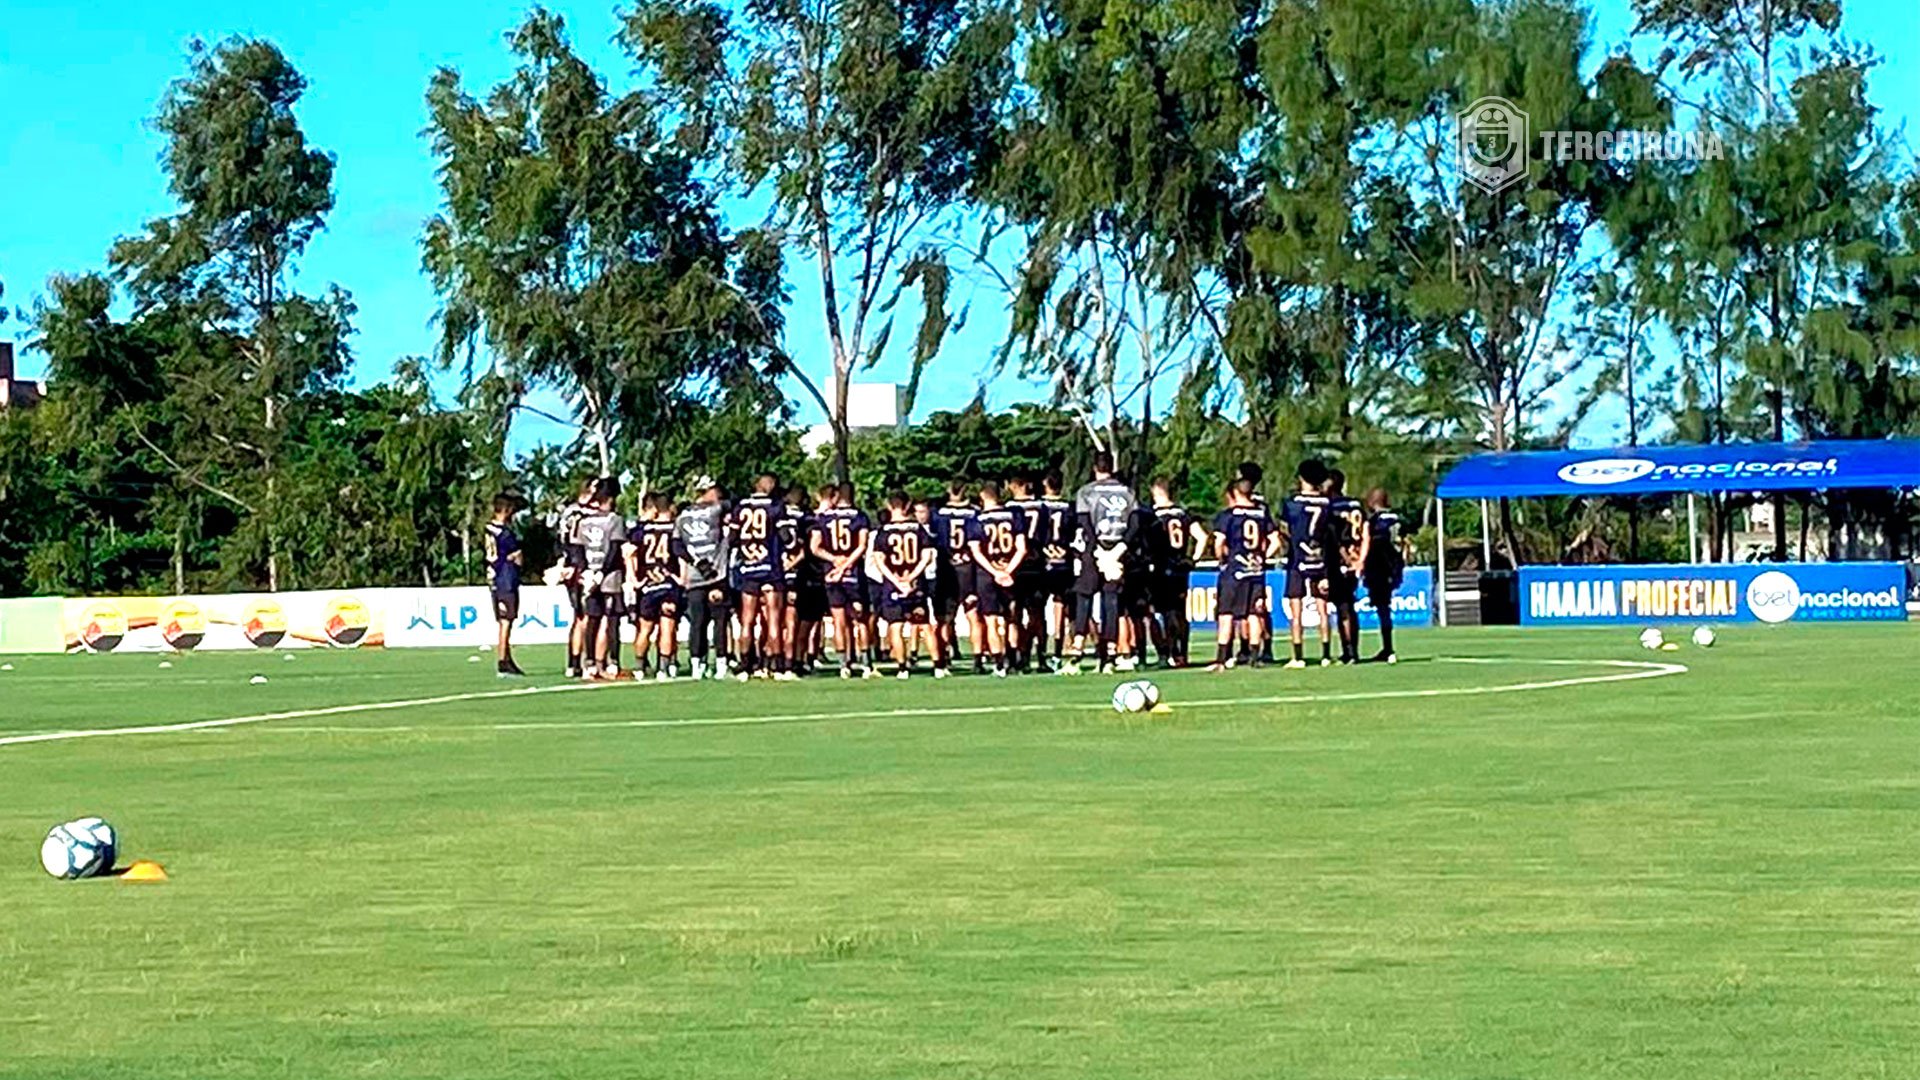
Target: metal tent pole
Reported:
point(1440, 556)
point(1693, 532)
point(1486, 538)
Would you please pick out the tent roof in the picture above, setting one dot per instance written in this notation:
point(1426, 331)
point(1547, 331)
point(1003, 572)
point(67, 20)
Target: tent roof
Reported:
point(1807, 466)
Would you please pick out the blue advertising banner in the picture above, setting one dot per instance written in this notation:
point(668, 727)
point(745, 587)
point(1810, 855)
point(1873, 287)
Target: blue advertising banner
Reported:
point(1412, 601)
point(1741, 592)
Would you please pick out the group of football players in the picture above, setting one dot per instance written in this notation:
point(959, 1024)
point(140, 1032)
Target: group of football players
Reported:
point(771, 583)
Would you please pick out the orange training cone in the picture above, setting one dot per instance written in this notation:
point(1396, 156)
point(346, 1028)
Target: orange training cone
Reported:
point(145, 870)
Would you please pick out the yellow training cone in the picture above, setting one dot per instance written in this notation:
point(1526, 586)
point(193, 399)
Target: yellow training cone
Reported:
point(145, 870)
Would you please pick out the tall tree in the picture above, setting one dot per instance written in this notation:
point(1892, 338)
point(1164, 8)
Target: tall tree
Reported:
point(867, 123)
point(579, 251)
point(253, 194)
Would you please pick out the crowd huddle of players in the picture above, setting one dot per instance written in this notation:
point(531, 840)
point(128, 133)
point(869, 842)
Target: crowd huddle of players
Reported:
point(1043, 581)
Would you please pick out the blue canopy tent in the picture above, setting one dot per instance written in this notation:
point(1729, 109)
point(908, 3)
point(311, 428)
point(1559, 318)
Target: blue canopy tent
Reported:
point(1644, 470)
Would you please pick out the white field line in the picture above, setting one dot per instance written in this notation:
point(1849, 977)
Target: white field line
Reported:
point(295, 714)
point(1625, 671)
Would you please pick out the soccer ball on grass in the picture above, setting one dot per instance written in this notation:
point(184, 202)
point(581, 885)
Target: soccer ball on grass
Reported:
point(1136, 696)
point(1652, 638)
point(1704, 636)
point(79, 849)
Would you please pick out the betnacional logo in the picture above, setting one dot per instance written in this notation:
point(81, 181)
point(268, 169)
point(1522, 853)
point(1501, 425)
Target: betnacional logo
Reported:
point(264, 623)
point(1601, 472)
point(102, 626)
point(1773, 597)
point(346, 622)
point(182, 625)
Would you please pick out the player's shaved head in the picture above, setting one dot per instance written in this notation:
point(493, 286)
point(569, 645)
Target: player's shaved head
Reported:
point(956, 489)
point(828, 493)
point(846, 494)
point(1377, 498)
point(1241, 491)
point(990, 492)
point(897, 504)
point(766, 484)
point(1103, 463)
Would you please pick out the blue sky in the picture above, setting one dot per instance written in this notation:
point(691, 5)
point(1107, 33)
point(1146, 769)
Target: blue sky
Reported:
point(79, 82)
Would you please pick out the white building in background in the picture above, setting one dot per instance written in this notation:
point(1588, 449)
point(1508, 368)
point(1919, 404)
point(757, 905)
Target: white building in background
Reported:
point(869, 405)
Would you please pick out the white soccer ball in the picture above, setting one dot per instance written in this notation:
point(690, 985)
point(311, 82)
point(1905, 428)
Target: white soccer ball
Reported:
point(70, 853)
point(1704, 636)
point(1136, 696)
point(1652, 638)
point(102, 836)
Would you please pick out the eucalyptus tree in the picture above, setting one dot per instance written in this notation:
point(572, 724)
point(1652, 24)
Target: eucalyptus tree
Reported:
point(579, 250)
point(252, 195)
point(867, 126)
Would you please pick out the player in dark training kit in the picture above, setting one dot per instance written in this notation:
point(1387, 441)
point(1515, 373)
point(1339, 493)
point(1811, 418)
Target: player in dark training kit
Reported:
point(955, 590)
point(760, 577)
point(1177, 539)
point(1027, 620)
point(566, 527)
point(1384, 567)
point(1243, 540)
point(1306, 565)
point(1058, 575)
point(806, 596)
point(901, 558)
point(656, 588)
point(504, 565)
point(997, 540)
point(1343, 540)
point(839, 542)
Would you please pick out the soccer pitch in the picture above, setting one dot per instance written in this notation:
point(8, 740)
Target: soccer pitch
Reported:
point(1512, 855)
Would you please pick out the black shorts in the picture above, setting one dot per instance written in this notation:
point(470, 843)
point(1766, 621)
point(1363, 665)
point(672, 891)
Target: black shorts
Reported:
point(1380, 591)
point(843, 594)
point(1235, 598)
point(908, 608)
point(1342, 587)
point(810, 600)
point(506, 606)
point(1058, 582)
point(1169, 589)
point(994, 598)
point(758, 579)
point(657, 604)
point(1136, 594)
point(575, 599)
point(600, 605)
point(1030, 587)
point(1304, 583)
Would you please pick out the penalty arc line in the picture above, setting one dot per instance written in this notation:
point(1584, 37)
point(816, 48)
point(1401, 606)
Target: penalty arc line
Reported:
point(1628, 671)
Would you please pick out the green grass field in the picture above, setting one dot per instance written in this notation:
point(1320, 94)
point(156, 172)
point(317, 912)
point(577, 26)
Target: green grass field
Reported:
point(1709, 874)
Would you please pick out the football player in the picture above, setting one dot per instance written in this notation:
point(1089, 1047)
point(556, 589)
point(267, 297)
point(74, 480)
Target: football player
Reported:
point(657, 584)
point(1027, 617)
point(956, 591)
point(1105, 522)
point(602, 534)
point(504, 564)
point(1244, 540)
point(1253, 473)
point(1059, 565)
point(997, 540)
point(701, 531)
point(1179, 540)
point(574, 560)
point(839, 541)
point(805, 595)
point(1306, 566)
point(759, 578)
point(1343, 543)
point(1384, 567)
point(901, 557)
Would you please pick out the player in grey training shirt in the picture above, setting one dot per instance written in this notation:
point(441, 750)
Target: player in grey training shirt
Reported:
point(602, 535)
point(1104, 509)
point(701, 533)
